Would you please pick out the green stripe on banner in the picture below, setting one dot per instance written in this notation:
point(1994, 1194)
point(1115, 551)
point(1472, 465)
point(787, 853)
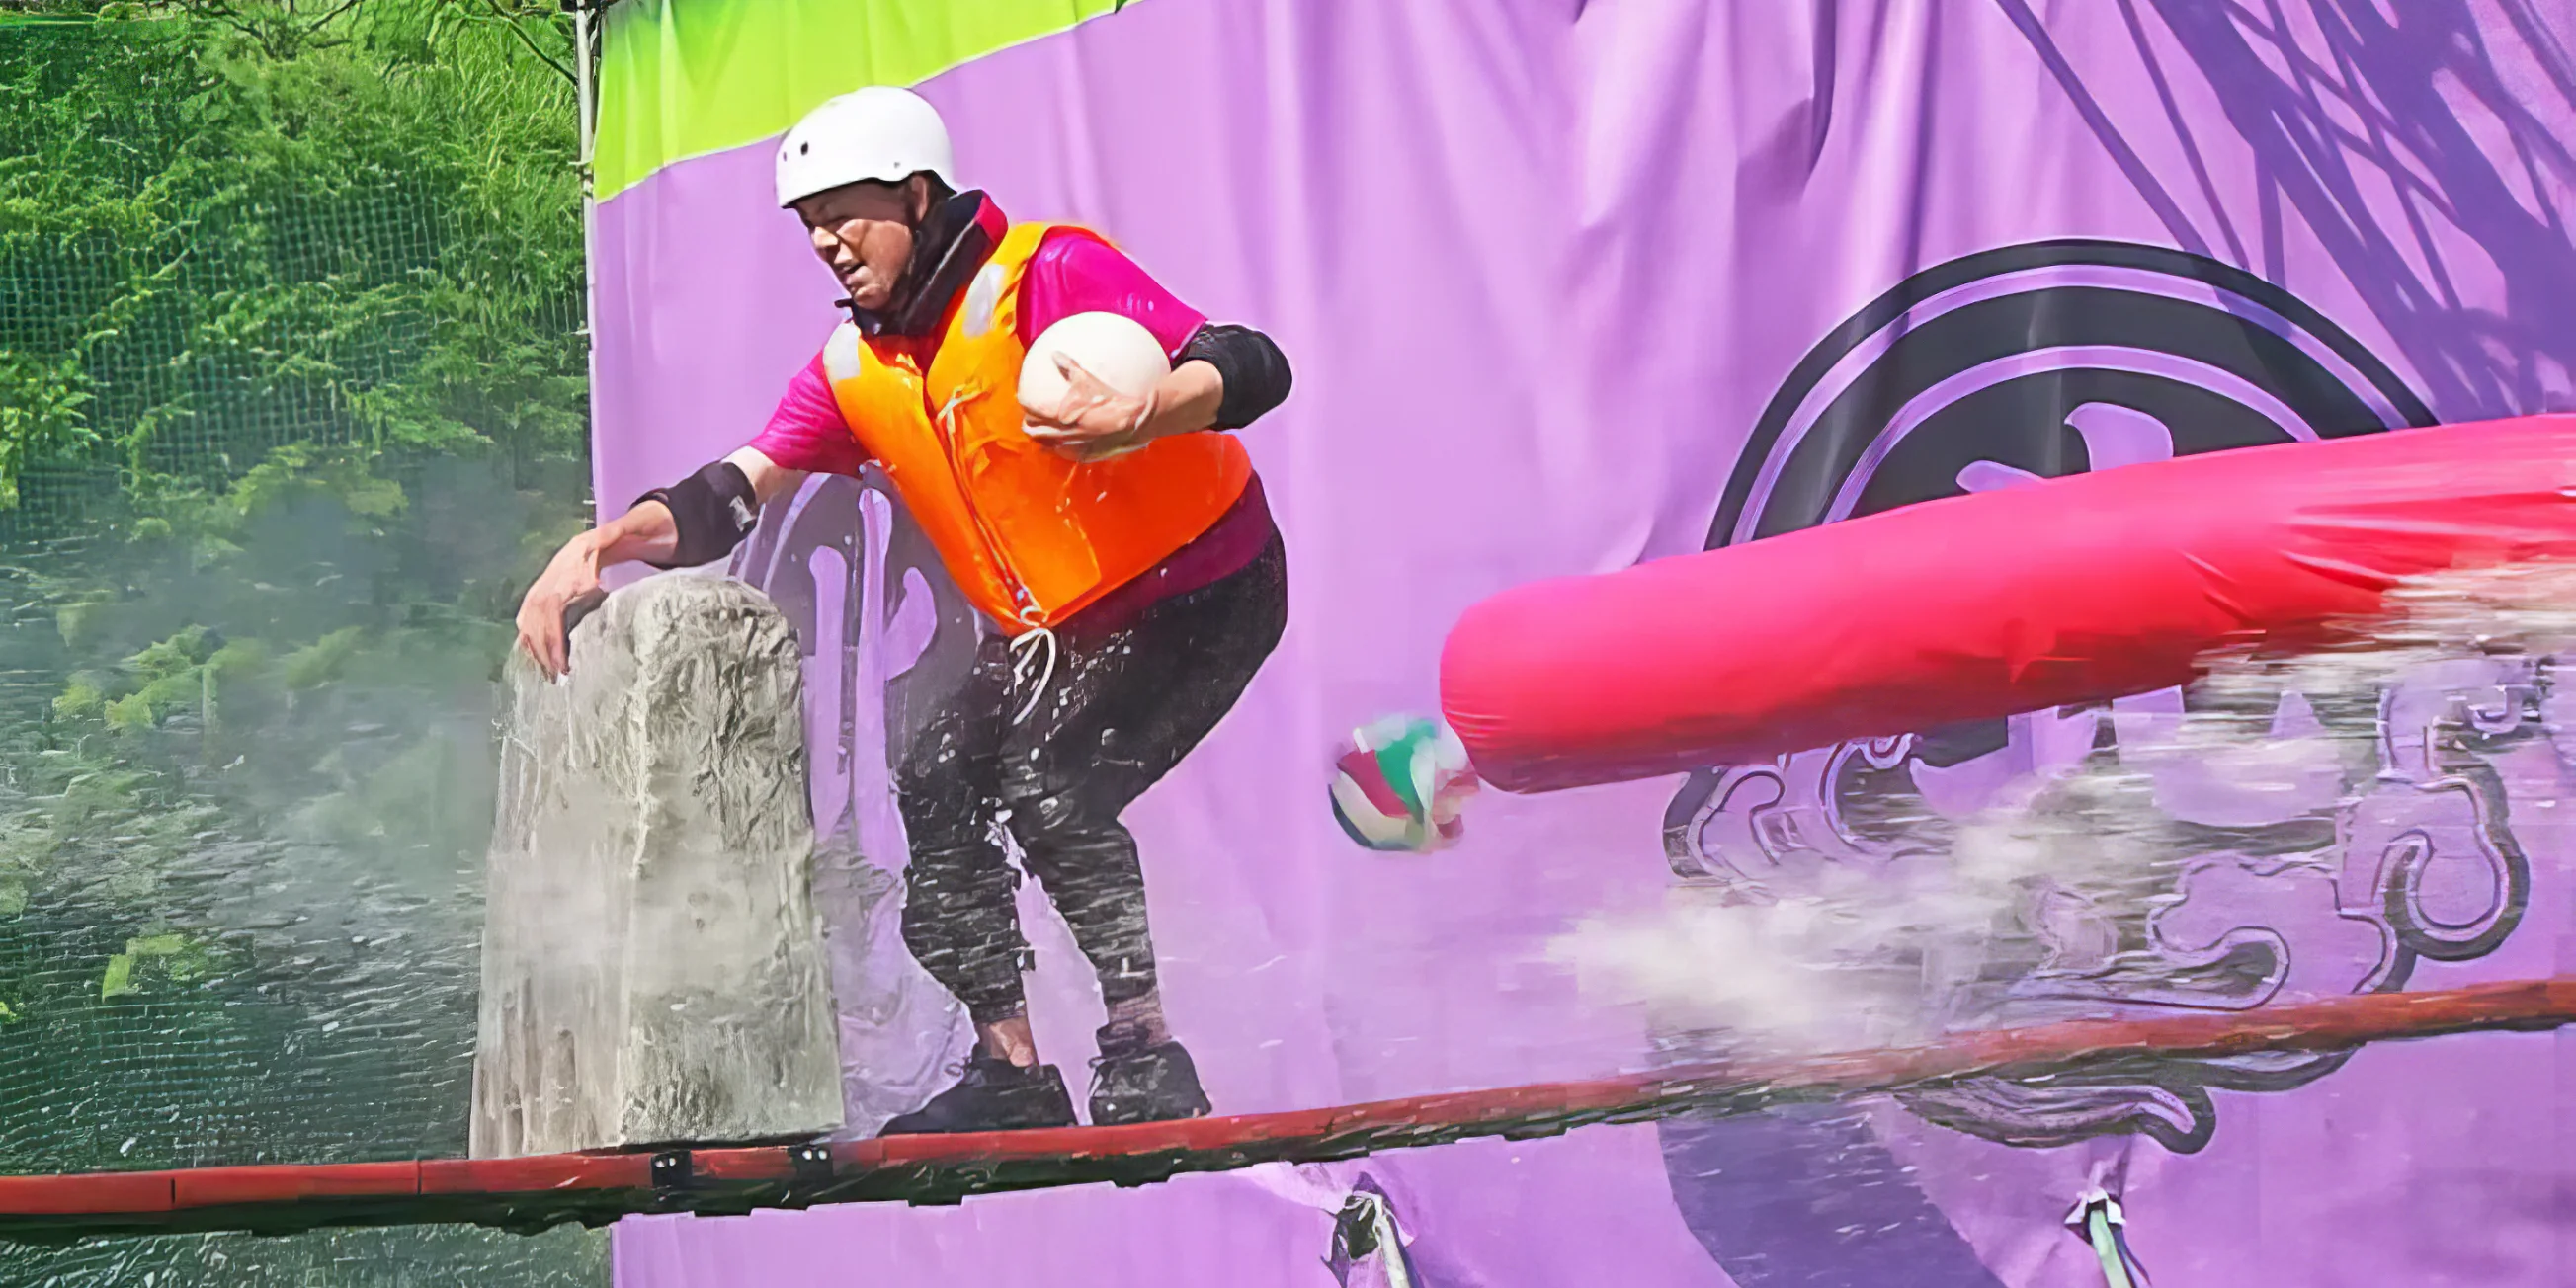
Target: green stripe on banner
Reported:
point(684, 78)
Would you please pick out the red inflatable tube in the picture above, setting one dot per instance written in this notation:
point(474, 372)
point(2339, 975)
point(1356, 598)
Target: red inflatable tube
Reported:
point(2076, 590)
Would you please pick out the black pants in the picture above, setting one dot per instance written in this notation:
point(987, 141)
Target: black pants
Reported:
point(1126, 702)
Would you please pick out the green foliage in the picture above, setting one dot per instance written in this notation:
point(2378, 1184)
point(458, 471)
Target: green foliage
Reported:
point(254, 224)
point(323, 660)
point(298, 471)
point(270, 269)
point(292, 405)
point(40, 414)
point(170, 957)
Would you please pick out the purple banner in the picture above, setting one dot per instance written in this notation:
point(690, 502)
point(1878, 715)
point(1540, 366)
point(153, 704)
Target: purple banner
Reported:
point(1569, 284)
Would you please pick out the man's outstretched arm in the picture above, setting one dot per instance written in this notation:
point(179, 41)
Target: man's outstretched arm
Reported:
point(695, 521)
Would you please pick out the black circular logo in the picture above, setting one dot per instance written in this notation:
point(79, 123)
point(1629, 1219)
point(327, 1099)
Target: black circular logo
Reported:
point(2042, 360)
point(1993, 371)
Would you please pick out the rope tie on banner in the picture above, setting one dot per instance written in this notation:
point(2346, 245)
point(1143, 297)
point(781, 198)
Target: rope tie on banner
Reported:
point(2100, 1222)
point(1365, 1228)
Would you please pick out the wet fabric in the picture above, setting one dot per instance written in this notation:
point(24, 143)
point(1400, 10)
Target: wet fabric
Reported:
point(1030, 534)
point(1067, 275)
point(1122, 707)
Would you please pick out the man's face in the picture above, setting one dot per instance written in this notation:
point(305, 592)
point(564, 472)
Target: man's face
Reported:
point(863, 231)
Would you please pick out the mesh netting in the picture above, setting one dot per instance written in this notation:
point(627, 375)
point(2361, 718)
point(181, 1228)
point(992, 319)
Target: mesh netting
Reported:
point(290, 396)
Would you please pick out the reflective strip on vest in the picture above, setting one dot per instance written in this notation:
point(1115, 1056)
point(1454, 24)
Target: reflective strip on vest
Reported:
point(1030, 536)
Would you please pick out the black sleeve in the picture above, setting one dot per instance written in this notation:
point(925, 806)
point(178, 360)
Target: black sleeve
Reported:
point(711, 512)
point(1254, 370)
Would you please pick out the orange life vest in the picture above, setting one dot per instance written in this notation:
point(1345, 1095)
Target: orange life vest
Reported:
point(1030, 536)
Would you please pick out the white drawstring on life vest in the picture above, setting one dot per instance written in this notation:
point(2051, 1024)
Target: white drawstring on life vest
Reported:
point(1027, 644)
point(1023, 648)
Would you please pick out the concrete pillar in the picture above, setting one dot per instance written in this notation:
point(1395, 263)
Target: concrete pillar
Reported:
point(653, 970)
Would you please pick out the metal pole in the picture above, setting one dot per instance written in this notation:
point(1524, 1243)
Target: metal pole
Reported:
point(585, 17)
point(585, 35)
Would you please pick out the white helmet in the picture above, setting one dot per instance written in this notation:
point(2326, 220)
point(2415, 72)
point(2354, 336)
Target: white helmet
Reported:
point(879, 133)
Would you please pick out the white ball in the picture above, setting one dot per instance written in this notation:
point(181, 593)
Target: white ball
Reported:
point(1113, 347)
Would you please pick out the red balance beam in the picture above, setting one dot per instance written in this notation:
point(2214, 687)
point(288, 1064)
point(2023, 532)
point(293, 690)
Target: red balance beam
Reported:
point(533, 1193)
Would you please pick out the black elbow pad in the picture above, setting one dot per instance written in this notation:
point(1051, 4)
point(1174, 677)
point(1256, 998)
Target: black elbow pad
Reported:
point(1254, 370)
point(711, 512)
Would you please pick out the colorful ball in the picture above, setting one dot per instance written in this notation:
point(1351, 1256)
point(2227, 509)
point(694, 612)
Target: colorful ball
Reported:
point(1402, 785)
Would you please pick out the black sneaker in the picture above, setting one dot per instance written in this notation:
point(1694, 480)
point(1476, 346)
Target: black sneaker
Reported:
point(995, 1095)
point(1135, 1083)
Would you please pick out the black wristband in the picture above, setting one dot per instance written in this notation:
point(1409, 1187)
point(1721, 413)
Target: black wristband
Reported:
point(1254, 370)
point(711, 512)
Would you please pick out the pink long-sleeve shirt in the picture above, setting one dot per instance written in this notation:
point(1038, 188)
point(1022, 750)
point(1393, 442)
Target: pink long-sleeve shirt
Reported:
point(1066, 276)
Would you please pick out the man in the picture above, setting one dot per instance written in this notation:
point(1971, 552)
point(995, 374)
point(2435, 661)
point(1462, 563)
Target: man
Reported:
point(1119, 549)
